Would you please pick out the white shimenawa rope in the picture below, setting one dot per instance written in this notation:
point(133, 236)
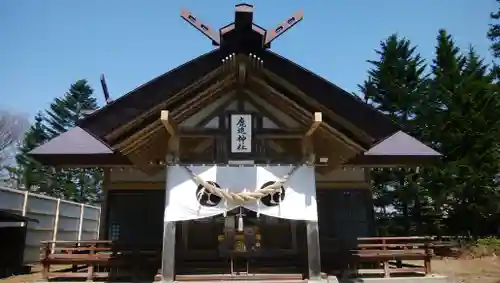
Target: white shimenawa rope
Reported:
point(241, 197)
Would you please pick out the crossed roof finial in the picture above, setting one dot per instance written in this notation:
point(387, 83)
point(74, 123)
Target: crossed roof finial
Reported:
point(242, 34)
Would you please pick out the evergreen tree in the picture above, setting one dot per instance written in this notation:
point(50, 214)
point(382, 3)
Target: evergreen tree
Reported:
point(464, 124)
point(494, 33)
point(66, 111)
point(395, 85)
point(78, 184)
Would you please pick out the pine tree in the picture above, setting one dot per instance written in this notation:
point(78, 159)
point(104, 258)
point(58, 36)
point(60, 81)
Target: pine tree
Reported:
point(395, 86)
point(465, 124)
point(494, 33)
point(78, 184)
point(66, 111)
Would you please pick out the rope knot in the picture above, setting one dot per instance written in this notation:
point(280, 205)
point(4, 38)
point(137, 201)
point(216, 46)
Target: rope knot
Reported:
point(242, 197)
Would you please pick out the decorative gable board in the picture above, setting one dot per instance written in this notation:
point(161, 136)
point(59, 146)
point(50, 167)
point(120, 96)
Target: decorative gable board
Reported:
point(268, 124)
point(206, 111)
point(233, 106)
point(248, 107)
point(278, 114)
point(213, 124)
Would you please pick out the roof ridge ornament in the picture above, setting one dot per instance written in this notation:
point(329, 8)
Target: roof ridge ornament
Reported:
point(242, 35)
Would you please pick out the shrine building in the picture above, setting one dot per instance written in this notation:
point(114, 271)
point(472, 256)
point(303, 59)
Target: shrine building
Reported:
point(239, 161)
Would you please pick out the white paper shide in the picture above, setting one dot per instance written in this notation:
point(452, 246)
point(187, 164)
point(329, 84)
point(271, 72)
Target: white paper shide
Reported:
point(241, 133)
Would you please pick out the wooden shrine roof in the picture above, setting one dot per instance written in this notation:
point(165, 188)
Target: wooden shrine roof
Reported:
point(156, 93)
point(352, 119)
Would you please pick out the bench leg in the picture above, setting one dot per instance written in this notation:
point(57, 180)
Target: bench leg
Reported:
point(427, 266)
point(90, 272)
point(386, 269)
point(45, 272)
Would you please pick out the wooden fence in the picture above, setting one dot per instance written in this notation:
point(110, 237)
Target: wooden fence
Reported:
point(57, 219)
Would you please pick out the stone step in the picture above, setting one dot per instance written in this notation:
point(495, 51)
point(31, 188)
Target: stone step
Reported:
point(271, 277)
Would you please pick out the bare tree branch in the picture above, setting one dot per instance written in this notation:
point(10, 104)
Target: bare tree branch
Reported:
point(12, 128)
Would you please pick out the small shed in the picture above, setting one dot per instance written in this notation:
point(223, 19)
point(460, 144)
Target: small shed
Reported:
point(13, 229)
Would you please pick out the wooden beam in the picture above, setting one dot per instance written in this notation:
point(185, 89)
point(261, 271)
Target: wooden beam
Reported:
point(142, 159)
point(203, 122)
point(104, 215)
point(265, 92)
point(171, 126)
point(293, 89)
point(313, 250)
point(307, 143)
point(202, 27)
point(283, 27)
point(290, 136)
point(325, 185)
point(195, 104)
point(248, 95)
point(150, 148)
point(303, 116)
point(275, 146)
point(139, 138)
point(171, 98)
point(298, 110)
point(173, 129)
point(123, 185)
point(144, 166)
point(160, 185)
point(318, 118)
point(242, 70)
point(203, 145)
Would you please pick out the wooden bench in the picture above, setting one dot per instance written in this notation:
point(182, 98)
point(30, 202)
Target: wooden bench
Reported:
point(92, 254)
point(380, 251)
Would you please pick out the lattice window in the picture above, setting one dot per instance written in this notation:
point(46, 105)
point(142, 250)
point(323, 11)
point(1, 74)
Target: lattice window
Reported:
point(114, 232)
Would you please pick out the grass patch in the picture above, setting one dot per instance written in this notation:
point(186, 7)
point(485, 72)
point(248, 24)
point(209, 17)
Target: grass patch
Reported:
point(483, 247)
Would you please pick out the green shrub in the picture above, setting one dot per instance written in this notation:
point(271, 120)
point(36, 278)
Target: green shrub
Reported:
point(483, 247)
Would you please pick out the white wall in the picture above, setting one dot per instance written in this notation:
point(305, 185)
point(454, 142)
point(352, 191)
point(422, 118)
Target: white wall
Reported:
point(57, 219)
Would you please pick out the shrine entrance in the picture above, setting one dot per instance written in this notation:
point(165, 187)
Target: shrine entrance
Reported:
point(242, 243)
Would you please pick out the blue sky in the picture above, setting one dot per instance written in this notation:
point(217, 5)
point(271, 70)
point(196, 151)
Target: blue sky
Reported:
point(47, 45)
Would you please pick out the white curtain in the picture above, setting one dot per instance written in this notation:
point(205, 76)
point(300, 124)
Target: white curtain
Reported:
point(298, 201)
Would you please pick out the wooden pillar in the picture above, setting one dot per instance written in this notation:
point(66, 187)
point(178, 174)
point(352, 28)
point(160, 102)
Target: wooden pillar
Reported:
point(312, 230)
point(168, 252)
point(293, 230)
point(168, 246)
point(313, 250)
point(104, 212)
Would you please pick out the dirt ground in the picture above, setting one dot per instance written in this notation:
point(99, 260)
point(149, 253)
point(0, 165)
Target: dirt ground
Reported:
point(34, 276)
point(485, 270)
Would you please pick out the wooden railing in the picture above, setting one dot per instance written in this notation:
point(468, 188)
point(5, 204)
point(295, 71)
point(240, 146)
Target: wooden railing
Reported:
point(89, 258)
point(382, 251)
